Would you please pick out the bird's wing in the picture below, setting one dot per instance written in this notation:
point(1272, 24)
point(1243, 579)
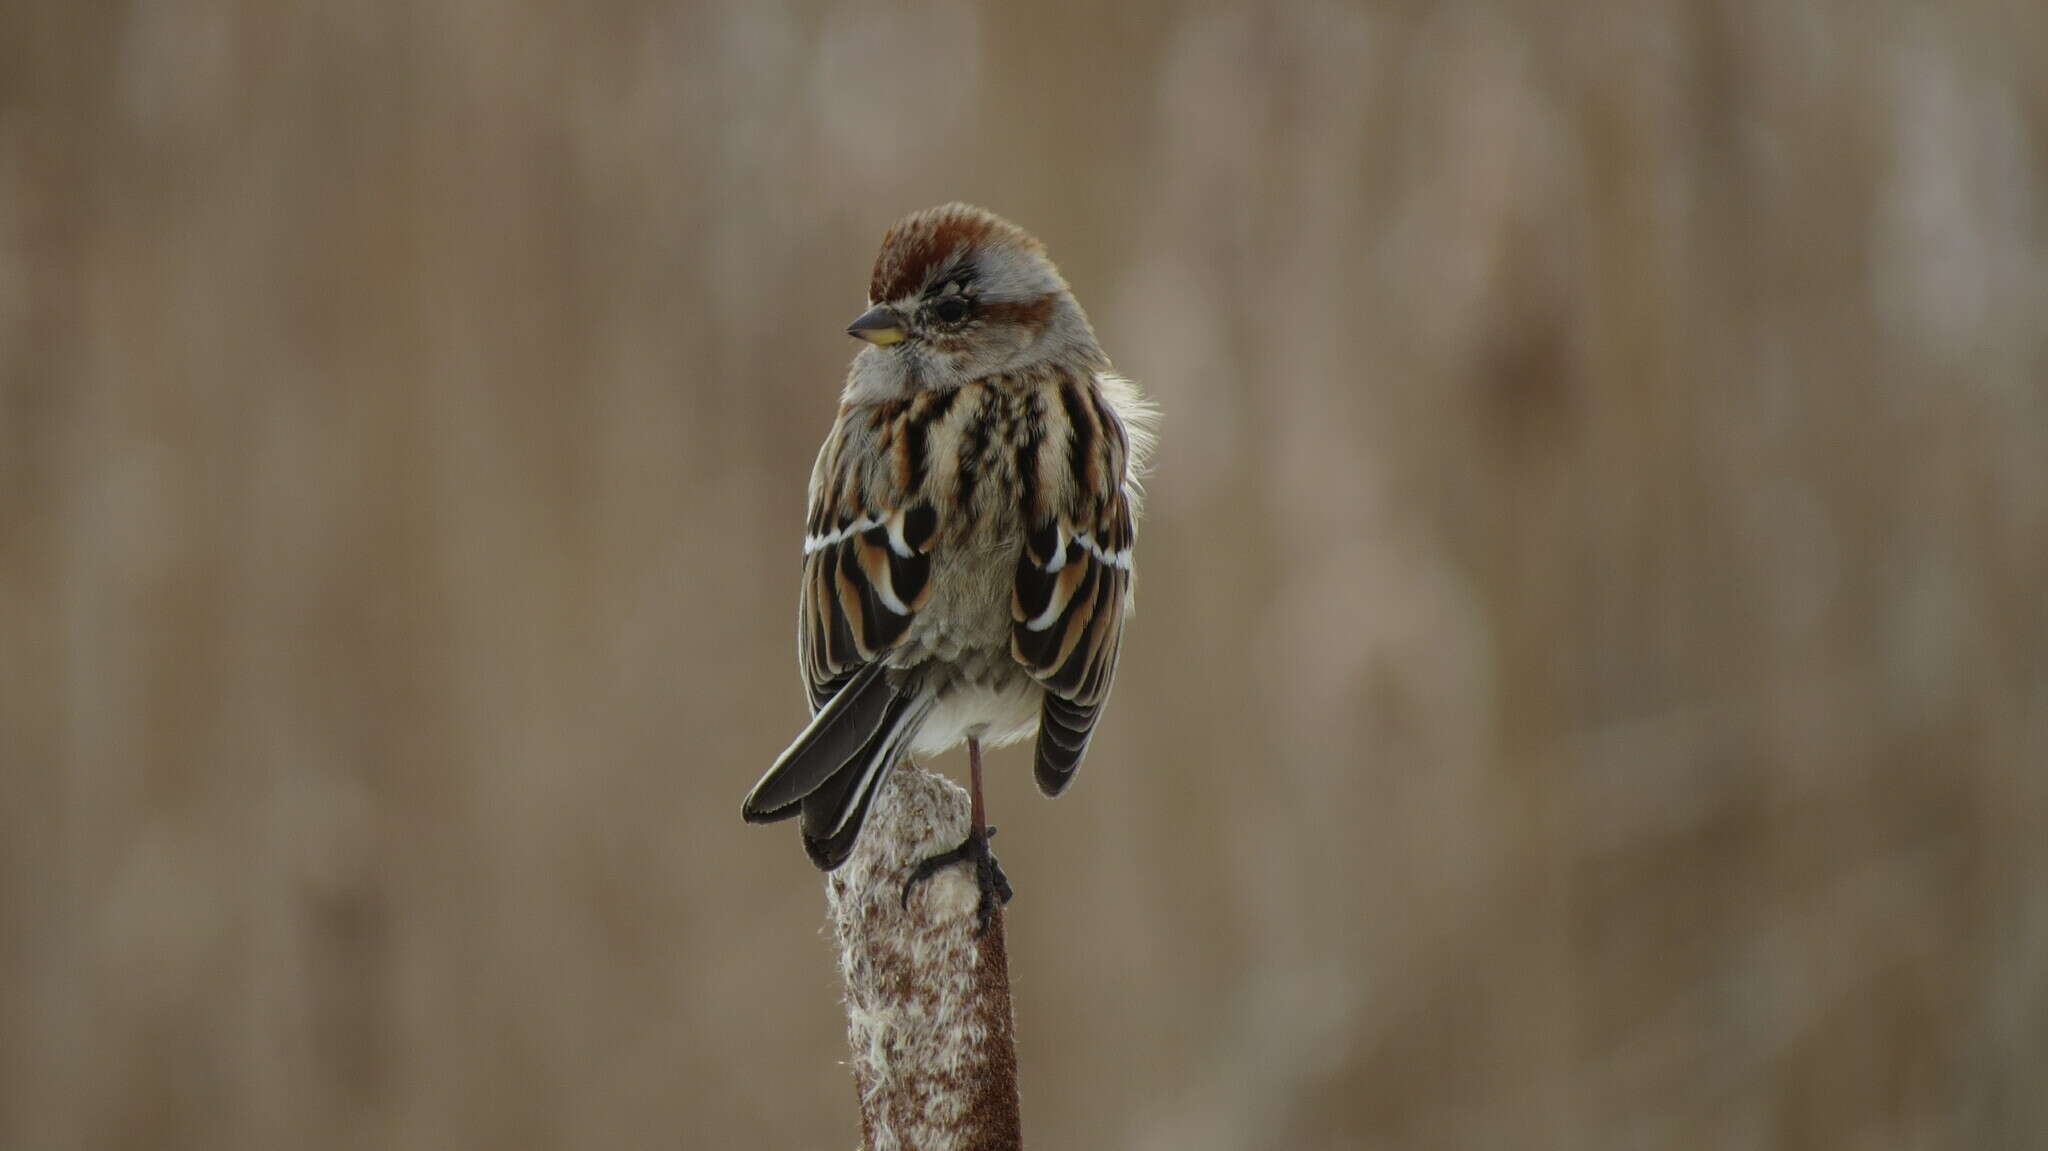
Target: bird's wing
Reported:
point(867, 552)
point(867, 572)
point(1073, 585)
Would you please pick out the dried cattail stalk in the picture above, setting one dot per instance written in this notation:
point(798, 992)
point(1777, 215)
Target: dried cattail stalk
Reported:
point(927, 1000)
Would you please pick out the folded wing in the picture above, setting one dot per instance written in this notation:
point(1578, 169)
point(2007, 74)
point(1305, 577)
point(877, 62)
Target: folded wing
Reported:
point(1073, 585)
point(866, 574)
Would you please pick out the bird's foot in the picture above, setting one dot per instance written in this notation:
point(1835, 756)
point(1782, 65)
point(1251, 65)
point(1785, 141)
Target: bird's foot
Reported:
point(988, 874)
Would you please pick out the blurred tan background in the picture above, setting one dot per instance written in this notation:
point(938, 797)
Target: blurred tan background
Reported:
point(1591, 682)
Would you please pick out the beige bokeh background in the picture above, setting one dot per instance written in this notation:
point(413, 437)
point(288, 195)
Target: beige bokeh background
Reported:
point(1590, 688)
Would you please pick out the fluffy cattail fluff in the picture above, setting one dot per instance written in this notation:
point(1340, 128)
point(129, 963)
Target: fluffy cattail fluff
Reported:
point(927, 998)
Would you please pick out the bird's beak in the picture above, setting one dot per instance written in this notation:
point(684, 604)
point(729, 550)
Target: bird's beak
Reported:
point(879, 325)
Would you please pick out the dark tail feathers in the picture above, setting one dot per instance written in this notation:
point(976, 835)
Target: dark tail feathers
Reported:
point(832, 771)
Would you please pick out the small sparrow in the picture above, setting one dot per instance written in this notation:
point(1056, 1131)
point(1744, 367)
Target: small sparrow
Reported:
point(967, 554)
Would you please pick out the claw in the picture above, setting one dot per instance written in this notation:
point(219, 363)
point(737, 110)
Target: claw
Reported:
point(988, 875)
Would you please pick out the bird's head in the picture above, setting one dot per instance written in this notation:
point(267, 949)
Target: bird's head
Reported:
point(959, 293)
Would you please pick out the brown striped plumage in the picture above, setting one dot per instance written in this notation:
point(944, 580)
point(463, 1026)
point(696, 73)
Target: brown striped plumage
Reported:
point(1024, 458)
point(967, 560)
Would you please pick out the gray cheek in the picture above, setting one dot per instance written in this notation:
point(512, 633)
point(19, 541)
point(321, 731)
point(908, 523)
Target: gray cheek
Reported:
point(877, 374)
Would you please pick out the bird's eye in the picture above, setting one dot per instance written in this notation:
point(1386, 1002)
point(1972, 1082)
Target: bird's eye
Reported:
point(952, 309)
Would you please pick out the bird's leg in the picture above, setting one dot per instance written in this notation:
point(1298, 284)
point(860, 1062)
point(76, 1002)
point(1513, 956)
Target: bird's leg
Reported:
point(988, 874)
point(977, 818)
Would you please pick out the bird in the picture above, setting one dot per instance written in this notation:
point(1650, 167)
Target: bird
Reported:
point(967, 551)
